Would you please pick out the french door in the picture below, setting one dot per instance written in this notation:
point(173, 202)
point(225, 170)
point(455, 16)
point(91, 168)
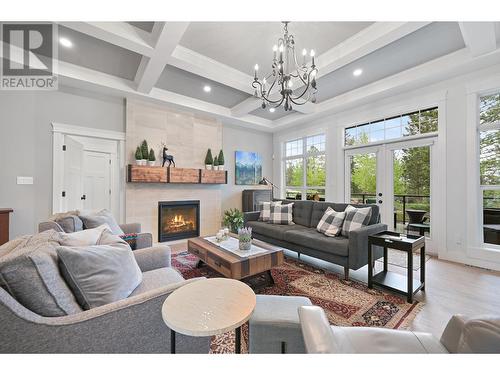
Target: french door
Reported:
point(398, 178)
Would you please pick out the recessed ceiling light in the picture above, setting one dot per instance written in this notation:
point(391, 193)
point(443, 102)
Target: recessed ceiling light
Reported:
point(207, 88)
point(65, 42)
point(357, 72)
point(272, 110)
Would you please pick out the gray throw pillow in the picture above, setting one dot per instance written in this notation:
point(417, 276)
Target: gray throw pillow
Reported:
point(281, 214)
point(70, 223)
point(99, 218)
point(30, 273)
point(100, 274)
point(355, 218)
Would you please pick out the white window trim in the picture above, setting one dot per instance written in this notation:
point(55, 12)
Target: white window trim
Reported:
point(476, 247)
point(304, 187)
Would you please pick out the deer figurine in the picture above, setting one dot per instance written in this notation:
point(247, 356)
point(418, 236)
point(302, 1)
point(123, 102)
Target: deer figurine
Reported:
point(166, 157)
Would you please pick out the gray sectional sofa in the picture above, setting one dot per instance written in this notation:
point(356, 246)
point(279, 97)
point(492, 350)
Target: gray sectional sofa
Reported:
point(302, 236)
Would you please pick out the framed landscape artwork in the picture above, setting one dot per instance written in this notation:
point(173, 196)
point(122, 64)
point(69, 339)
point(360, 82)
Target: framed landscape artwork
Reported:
point(248, 168)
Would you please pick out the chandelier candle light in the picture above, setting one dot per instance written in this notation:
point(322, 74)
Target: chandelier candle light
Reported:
point(277, 87)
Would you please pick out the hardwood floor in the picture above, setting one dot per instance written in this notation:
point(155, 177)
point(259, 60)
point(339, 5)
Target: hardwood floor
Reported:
point(451, 288)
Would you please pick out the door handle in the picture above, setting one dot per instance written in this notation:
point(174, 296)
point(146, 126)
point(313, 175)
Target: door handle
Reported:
point(83, 197)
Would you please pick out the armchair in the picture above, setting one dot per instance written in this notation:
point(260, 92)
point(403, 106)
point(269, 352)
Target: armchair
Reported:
point(461, 335)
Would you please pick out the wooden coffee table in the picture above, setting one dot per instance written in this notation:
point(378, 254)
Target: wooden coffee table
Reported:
point(231, 265)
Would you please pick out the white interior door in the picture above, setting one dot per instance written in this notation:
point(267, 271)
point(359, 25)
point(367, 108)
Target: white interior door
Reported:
point(96, 180)
point(73, 174)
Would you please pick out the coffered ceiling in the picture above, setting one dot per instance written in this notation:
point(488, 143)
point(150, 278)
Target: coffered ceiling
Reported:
point(208, 66)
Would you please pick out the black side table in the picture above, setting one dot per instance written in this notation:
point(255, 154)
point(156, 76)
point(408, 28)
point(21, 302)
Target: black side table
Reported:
point(391, 280)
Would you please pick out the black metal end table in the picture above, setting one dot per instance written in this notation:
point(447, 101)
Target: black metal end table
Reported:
point(391, 280)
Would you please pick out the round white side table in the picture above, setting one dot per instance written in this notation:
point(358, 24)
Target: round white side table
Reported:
point(209, 307)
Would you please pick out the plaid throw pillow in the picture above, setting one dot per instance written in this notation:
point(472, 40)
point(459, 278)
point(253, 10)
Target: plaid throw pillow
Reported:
point(265, 211)
point(281, 214)
point(331, 222)
point(355, 218)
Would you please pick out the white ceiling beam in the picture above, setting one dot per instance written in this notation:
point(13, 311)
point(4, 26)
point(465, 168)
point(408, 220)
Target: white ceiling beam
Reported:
point(361, 44)
point(121, 34)
point(88, 79)
point(150, 69)
point(196, 63)
point(479, 37)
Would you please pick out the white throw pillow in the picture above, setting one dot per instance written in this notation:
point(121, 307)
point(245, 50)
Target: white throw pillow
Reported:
point(87, 237)
point(331, 222)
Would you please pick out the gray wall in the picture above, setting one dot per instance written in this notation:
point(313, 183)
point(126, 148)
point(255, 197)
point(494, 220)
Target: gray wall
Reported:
point(26, 144)
point(238, 139)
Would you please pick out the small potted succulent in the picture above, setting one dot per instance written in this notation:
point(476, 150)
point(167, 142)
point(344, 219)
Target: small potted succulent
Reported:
point(151, 158)
point(216, 164)
point(144, 152)
point(220, 159)
point(138, 156)
point(209, 160)
point(245, 238)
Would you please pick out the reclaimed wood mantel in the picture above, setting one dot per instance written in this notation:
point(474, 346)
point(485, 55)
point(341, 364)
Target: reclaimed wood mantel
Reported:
point(173, 175)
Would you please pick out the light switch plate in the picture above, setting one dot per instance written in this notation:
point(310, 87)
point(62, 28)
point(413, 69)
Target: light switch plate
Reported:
point(24, 180)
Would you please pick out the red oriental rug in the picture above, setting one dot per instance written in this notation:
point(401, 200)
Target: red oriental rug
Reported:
point(346, 303)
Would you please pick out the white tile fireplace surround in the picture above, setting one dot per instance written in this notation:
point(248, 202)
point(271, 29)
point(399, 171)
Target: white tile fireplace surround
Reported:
point(188, 136)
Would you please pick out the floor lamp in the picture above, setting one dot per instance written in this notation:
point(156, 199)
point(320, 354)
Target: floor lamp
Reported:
point(265, 181)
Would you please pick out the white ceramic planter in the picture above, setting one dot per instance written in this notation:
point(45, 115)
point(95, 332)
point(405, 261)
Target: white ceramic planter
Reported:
point(138, 162)
point(221, 167)
point(151, 163)
point(208, 166)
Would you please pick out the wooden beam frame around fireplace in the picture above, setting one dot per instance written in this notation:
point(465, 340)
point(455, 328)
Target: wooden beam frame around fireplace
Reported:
point(172, 175)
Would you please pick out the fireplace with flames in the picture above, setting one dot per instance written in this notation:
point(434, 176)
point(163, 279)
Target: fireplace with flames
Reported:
point(178, 220)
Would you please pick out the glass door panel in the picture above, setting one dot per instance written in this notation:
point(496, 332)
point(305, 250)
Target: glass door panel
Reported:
point(363, 178)
point(411, 173)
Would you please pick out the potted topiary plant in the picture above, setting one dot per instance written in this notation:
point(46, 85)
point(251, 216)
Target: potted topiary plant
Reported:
point(220, 159)
point(216, 164)
point(209, 160)
point(138, 156)
point(145, 152)
point(152, 158)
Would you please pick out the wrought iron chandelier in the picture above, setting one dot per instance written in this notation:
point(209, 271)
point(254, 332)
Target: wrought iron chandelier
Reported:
point(289, 82)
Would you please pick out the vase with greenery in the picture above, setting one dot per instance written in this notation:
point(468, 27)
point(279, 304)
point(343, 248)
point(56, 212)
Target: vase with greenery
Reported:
point(216, 164)
point(144, 151)
point(138, 156)
point(220, 159)
point(209, 160)
point(151, 158)
point(245, 238)
point(233, 219)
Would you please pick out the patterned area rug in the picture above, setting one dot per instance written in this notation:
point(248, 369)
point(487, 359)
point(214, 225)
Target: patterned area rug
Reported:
point(346, 303)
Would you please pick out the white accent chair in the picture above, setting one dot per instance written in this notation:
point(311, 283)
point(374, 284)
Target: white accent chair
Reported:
point(461, 335)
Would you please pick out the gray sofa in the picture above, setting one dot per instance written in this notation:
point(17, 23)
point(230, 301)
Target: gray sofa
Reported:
point(131, 325)
point(302, 236)
point(143, 240)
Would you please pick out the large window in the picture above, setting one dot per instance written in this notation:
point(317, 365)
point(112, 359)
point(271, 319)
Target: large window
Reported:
point(418, 122)
point(304, 164)
point(489, 163)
